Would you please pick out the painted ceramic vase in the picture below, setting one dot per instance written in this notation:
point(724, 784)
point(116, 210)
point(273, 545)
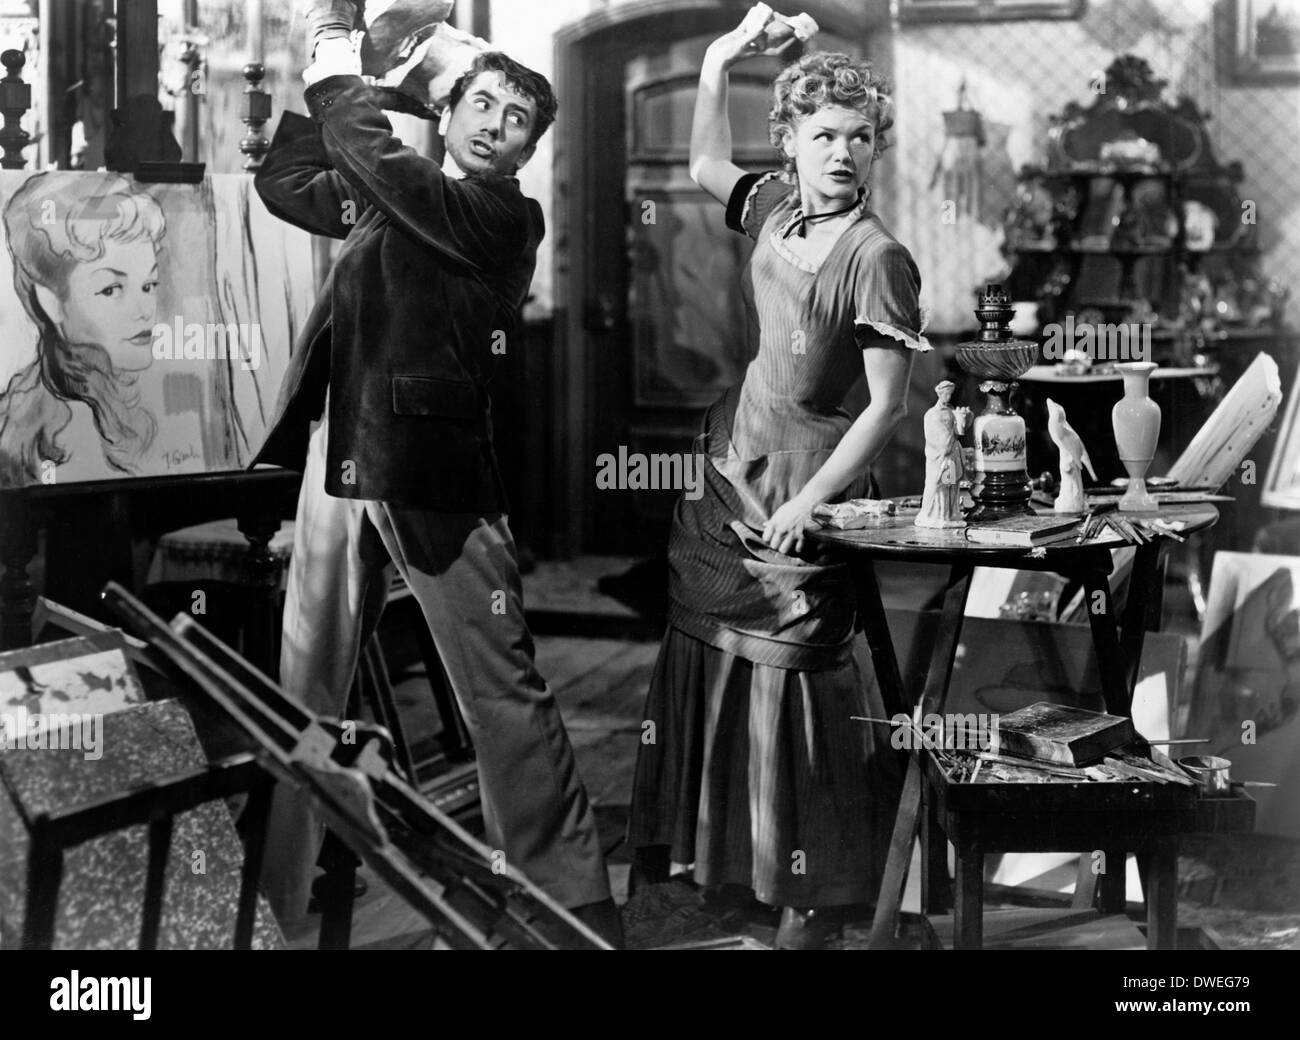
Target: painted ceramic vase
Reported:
point(999, 437)
point(1136, 422)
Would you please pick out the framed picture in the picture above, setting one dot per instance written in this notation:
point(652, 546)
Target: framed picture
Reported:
point(986, 10)
point(145, 327)
point(1282, 486)
point(1266, 41)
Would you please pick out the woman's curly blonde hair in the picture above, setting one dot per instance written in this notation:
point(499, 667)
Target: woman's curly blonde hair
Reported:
point(824, 78)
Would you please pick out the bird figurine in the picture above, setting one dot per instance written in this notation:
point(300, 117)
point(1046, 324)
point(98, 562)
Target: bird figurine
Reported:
point(1074, 456)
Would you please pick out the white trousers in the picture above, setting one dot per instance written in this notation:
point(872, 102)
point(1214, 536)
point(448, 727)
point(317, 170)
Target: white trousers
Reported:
point(463, 571)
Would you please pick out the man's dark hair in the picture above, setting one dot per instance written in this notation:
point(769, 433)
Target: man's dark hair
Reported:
point(519, 78)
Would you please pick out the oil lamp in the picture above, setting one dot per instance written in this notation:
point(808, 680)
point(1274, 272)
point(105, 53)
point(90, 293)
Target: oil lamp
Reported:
point(1001, 483)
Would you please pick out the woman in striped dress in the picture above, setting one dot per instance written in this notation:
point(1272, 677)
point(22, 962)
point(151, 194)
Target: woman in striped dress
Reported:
point(750, 768)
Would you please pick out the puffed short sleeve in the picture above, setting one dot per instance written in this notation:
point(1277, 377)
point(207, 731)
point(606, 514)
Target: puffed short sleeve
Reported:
point(753, 199)
point(888, 299)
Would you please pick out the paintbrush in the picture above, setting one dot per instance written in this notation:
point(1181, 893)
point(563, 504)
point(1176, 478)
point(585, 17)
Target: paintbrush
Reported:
point(1146, 769)
point(1181, 740)
point(882, 722)
point(923, 741)
point(1069, 772)
point(1139, 532)
point(1145, 529)
point(1161, 527)
point(1092, 519)
point(1125, 530)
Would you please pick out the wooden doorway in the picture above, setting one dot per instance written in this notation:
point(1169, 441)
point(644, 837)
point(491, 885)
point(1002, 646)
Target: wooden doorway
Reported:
point(650, 328)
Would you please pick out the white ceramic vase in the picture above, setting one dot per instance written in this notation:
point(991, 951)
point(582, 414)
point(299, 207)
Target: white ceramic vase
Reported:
point(1136, 422)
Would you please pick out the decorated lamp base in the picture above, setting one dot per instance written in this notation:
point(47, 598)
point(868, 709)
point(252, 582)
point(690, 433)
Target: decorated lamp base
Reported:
point(1001, 485)
point(1000, 495)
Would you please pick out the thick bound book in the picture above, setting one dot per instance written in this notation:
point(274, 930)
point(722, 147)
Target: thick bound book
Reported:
point(1066, 736)
point(1026, 531)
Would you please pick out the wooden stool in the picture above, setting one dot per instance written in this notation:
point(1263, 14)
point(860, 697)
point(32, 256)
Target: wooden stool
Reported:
point(1110, 818)
point(217, 557)
point(217, 560)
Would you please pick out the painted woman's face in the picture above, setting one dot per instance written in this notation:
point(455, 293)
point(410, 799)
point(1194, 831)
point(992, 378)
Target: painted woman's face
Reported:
point(112, 302)
point(833, 149)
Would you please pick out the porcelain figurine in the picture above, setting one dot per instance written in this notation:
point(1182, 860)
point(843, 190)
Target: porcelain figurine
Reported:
point(1073, 459)
point(941, 501)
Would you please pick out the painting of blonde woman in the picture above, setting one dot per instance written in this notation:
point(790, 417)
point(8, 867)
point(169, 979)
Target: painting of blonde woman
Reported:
point(148, 328)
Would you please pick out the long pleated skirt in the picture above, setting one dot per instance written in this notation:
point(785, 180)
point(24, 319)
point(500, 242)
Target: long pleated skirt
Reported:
point(758, 777)
point(750, 766)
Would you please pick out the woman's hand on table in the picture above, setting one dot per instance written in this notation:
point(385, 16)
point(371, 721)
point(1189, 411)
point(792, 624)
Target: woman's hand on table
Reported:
point(784, 531)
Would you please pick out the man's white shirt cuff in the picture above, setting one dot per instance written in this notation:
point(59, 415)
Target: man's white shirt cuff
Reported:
point(333, 58)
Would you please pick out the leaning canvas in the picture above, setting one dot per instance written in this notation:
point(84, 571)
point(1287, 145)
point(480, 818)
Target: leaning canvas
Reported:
point(1246, 698)
point(144, 328)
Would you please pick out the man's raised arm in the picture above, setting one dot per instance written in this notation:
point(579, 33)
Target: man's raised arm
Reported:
point(298, 184)
point(480, 222)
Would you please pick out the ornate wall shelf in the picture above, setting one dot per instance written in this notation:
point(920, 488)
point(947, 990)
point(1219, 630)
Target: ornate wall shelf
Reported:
point(1133, 216)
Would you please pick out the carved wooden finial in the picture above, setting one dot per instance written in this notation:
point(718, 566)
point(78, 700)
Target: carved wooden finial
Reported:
point(257, 110)
point(15, 100)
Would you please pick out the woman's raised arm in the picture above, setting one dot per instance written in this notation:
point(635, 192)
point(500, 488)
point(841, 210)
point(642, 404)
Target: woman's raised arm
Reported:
point(711, 165)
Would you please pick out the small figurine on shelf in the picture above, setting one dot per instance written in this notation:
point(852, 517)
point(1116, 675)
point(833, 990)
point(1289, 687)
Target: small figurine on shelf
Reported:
point(1073, 457)
point(1030, 218)
point(943, 424)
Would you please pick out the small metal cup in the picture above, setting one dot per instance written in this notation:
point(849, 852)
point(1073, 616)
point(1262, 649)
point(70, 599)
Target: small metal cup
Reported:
point(1210, 771)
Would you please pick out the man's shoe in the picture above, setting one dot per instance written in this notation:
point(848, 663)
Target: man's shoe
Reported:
point(604, 919)
point(809, 929)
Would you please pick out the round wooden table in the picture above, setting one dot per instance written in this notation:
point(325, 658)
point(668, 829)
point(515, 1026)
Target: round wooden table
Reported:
point(898, 537)
point(1117, 641)
point(1091, 562)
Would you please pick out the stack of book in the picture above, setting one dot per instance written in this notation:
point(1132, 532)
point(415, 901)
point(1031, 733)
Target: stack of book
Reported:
point(1061, 735)
point(1055, 743)
point(1025, 531)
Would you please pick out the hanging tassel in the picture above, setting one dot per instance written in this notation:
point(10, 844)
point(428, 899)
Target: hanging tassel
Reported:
point(960, 167)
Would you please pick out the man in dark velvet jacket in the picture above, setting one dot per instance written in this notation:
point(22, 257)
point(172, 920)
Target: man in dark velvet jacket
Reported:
point(400, 468)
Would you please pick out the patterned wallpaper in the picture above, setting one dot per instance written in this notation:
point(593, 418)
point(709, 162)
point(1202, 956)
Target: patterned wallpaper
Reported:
point(1018, 74)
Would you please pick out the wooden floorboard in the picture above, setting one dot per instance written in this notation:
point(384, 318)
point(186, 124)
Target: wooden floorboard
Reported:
point(600, 684)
